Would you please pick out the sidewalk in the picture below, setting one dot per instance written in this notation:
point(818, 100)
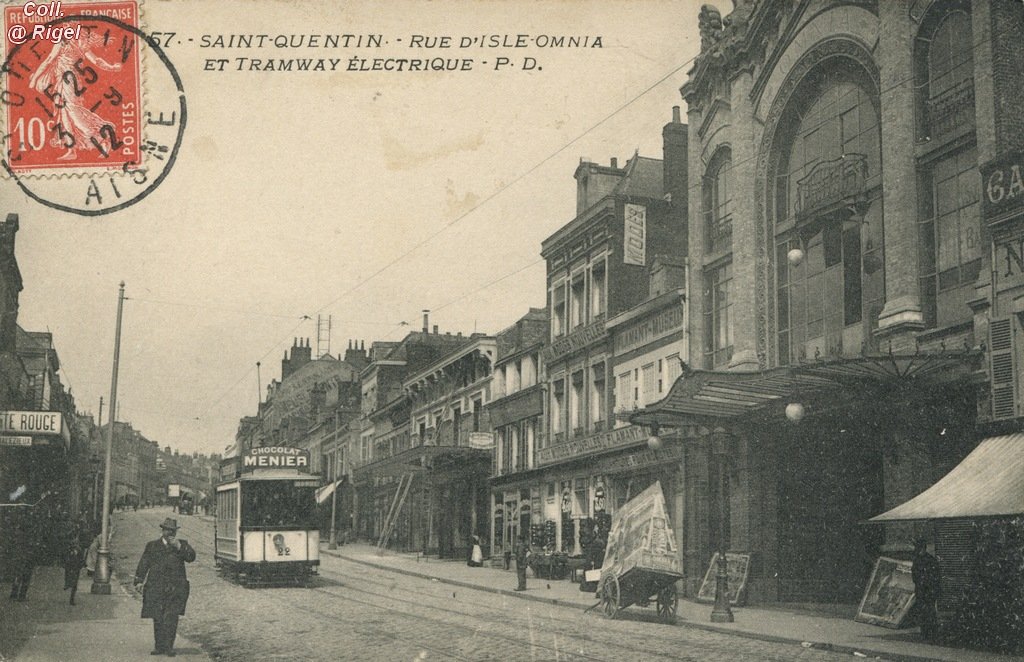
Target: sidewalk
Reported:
point(99, 627)
point(769, 624)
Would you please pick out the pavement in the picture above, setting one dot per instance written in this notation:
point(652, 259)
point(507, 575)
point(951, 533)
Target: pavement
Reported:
point(799, 627)
point(46, 628)
point(108, 628)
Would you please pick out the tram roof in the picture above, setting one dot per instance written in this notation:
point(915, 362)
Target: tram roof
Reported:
point(272, 474)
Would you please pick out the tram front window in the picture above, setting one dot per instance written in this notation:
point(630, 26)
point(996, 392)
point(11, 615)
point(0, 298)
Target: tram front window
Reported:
point(277, 504)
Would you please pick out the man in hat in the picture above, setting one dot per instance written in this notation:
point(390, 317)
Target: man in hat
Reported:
point(162, 571)
point(927, 589)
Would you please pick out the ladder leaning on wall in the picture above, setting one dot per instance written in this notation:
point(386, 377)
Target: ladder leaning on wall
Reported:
point(404, 483)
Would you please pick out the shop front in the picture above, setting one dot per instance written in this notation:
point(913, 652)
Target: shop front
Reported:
point(566, 506)
point(807, 455)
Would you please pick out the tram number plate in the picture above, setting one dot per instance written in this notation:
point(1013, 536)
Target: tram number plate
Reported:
point(280, 544)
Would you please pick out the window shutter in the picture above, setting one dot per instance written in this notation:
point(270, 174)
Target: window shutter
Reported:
point(1003, 368)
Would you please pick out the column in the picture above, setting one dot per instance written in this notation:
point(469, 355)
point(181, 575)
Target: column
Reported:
point(902, 313)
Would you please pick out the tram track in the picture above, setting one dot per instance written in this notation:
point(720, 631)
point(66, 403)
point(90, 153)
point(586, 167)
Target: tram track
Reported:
point(537, 635)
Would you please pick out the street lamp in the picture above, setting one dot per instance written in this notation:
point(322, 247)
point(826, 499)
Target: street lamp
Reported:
point(101, 578)
point(722, 613)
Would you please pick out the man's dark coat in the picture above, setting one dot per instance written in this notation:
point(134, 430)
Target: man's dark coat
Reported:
point(163, 570)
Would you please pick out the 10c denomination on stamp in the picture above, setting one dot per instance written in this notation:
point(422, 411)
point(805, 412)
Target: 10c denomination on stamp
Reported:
point(78, 100)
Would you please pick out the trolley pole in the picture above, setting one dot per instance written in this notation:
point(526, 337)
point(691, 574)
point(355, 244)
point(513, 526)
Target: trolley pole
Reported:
point(333, 544)
point(101, 580)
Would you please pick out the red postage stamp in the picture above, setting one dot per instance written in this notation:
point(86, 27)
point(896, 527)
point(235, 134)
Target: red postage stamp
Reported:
point(72, 86)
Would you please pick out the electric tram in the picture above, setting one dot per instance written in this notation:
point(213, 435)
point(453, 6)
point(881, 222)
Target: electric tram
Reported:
point(266, 526)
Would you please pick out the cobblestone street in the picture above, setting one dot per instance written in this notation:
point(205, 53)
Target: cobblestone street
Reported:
point(355, 612)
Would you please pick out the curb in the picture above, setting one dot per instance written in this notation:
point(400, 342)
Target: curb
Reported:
point(817, 645)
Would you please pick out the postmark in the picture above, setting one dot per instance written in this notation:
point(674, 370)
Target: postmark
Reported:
point(94, 111)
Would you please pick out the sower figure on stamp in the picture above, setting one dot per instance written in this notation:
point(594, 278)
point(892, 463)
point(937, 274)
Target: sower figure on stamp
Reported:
point(522, 559)
point(162, 571)
point(927, 589)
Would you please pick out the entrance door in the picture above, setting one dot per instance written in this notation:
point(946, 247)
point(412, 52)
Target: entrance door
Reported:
point(830, 481)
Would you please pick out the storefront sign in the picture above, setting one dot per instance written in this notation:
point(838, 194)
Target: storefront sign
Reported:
point(1003, 187)
point(274, 457)
point(634, 250)
point(650, 329)
point(1010, 258)
point(593, 444)
point(664, 457)
point(32, 422)
point(575, 341)
point(15, 441)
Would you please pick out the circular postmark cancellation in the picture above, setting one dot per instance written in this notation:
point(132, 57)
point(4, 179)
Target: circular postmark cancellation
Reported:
point(86, 129)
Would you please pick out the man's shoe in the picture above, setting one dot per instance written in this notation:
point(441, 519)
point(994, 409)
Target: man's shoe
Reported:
point(170, 653)
point(519, 589)
point(156, 652)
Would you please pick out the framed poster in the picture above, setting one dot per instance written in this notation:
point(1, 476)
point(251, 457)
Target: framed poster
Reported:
point(889, 594)
point(737, 567)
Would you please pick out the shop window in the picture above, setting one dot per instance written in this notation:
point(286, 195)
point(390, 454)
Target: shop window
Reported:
point(950, 237)
point(717, 203)
point(718, 332)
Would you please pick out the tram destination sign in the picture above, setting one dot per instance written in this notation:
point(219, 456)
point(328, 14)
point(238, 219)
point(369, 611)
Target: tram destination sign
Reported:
point(276, 457)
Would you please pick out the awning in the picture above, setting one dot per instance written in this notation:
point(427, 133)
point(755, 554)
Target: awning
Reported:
point(722, 394)
point(324, 493)
point(988, 483)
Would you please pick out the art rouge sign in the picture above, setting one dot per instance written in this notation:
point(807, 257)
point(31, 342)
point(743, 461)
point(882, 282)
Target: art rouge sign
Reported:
point(276, 457)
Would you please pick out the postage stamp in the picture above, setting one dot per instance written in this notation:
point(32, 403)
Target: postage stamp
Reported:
point(88, 128)
point(82, 83)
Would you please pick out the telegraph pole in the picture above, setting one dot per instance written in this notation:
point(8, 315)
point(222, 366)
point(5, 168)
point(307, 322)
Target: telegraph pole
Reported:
point(101, 579)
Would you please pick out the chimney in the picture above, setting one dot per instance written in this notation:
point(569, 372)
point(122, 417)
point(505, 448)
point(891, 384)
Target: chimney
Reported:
point(435, 329)
point(426, 321)
point(615, 162)
point(675, 141)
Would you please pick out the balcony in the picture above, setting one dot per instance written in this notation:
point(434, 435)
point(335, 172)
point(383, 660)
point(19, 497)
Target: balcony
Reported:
point(950, 110)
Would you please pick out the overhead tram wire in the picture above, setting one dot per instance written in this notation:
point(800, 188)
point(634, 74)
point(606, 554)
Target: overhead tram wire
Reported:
point(690, 189)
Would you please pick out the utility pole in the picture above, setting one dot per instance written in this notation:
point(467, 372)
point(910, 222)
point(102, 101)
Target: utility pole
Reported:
point(101, 578)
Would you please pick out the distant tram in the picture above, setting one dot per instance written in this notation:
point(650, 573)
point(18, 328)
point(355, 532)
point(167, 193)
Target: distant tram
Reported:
point(266, 527)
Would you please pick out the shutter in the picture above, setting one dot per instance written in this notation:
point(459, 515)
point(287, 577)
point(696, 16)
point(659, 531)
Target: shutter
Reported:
point(955, 546)
point(1003, 368)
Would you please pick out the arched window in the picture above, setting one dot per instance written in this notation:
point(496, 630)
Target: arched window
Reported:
point(827, 202)
point(717, 203)
point(944, 63)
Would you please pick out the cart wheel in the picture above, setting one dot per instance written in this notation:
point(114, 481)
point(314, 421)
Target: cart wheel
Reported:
point(668, 603)
point(610, 597)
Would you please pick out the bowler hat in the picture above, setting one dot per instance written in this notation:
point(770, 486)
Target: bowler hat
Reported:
point(169, 523)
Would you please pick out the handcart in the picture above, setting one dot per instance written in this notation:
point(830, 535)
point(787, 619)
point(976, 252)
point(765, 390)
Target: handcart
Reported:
point(641, 562)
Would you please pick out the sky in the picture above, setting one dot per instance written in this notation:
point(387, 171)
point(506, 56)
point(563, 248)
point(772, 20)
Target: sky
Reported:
point(367, 196)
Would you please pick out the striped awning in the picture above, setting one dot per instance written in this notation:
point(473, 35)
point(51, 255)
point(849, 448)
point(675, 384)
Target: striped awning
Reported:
point(708, 394)
point(987, 483)
point(324, 493)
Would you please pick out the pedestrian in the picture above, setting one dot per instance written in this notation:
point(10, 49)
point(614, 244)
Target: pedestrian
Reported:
point(476, 555)
point(927, 589)
point(165, 591)
point(507, 554)
point(24, 549)
point(74, 560)
point(522, 559)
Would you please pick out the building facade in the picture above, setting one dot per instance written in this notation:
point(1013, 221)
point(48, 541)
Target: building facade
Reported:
point(843, 277)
